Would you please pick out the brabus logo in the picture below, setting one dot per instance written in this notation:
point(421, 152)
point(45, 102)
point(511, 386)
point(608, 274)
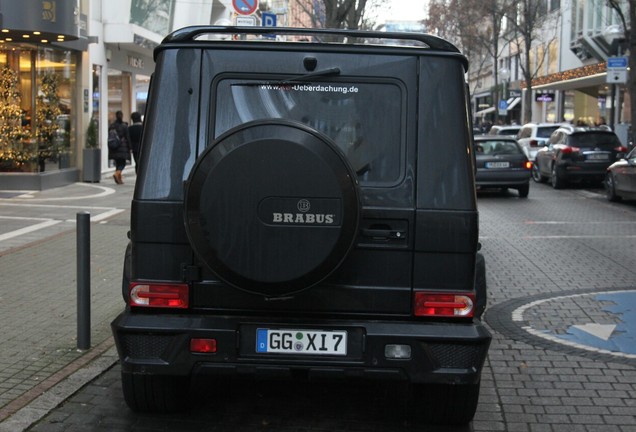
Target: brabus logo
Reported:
point(300, 211)
point(304, 205)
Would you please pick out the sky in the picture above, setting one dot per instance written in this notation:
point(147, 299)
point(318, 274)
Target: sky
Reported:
point(404, 10)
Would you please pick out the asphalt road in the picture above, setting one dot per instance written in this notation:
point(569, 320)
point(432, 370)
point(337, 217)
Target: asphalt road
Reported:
point(561, 266)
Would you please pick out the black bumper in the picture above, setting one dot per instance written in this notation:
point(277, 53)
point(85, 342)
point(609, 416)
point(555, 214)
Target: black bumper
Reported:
point(440, 352)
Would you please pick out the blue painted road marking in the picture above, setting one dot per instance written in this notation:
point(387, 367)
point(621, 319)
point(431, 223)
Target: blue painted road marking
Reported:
point(623, 337)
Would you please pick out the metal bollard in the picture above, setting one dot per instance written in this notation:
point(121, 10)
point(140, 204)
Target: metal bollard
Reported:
point(83, 281)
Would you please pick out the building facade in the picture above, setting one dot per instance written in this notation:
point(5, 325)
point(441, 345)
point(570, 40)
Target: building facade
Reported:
point(42, 46)
point(570, 53)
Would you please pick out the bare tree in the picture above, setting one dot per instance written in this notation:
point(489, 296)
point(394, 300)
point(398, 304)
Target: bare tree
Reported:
point(630, 37)
point(334, 13)
point(530, 23)
point(475, 26)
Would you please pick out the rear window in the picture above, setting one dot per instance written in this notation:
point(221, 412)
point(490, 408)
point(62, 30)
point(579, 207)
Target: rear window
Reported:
point(546, 131)
point(595, 139)
point(497, 148)
point(363, 119)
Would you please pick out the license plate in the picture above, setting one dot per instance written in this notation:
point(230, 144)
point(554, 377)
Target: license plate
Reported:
point(497, 164)
point(598, 156)
point(314, 342)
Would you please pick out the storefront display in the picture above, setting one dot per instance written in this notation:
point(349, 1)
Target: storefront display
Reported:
point(36, 107)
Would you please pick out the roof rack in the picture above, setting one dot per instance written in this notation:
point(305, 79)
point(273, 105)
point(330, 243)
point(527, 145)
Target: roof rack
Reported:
point(188, 34)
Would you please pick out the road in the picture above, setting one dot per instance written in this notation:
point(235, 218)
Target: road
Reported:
point(561, 270)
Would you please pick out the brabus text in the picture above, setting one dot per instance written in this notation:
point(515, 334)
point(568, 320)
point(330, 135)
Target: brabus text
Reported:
point(303, 218)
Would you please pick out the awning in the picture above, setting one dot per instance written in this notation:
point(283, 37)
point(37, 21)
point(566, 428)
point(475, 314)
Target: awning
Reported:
point(514, 103)
point(485, 111)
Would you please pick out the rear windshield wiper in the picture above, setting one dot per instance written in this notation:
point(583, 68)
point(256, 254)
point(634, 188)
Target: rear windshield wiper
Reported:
point(288, 81)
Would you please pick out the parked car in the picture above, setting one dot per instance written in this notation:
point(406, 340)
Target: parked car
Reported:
point(575, 153)
point(501, 163)
point(532, 136)
point(295, 216)
point(508, 130)
point(620, 181)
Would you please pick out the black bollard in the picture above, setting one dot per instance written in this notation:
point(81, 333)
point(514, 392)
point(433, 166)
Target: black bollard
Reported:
point(83, 281)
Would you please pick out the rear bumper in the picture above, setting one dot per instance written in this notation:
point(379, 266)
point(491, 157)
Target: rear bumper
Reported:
point(500, 178)
point(440, 352)
point(580, 171)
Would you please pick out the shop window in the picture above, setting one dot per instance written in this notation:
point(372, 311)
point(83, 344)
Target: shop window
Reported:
point(36, 94)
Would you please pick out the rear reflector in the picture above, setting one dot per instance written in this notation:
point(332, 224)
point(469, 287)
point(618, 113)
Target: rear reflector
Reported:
point(204, 346)
point(159, 295)
point(444, 305)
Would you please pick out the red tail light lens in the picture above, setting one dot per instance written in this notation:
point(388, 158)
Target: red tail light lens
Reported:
point(159, 295)
point(527, 165)
point(570, 150)
point(621, 149)
point(534, 143)
point(444, 305)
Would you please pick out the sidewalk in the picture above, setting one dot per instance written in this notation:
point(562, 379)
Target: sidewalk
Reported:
point(38, 306)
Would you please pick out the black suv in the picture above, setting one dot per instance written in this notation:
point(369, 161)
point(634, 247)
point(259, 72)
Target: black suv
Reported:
point(305, 208)
point(574, 153)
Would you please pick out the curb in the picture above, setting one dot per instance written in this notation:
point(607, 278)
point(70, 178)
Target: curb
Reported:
point(31, 407)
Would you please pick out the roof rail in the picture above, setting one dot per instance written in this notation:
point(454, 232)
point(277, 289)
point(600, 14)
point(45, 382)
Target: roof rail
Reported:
point(188, 34)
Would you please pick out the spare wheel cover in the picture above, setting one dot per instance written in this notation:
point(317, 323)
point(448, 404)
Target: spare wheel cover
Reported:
point(272, 207)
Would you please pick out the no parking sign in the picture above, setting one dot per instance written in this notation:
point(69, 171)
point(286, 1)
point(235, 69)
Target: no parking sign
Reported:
point(245, 7)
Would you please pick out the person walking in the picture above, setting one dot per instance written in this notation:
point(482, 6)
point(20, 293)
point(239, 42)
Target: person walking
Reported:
point(134, 130)
point(120, 152)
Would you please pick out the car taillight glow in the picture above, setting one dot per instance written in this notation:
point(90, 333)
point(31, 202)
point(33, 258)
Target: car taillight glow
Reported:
point(203, 346)
point(444, 305)
point(569, 150)
point(527, 165)
point(159, 295)
point(621, 149)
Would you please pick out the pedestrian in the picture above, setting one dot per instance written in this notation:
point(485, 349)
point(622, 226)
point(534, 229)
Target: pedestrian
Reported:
point(134, 131)
point(120, 153)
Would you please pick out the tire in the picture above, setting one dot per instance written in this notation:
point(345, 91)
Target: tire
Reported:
point(126, 274)
point(481, 286)
point(155, 393)
point(272, 207)
point(555, 179)
point(523, 191)
point(610, 188)
point(443, 403)
point(536, 174)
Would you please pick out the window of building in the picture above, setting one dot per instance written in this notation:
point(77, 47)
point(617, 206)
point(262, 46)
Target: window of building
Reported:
point(36, 106)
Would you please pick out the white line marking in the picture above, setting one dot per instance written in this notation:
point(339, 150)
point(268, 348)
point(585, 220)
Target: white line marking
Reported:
point(29, 229)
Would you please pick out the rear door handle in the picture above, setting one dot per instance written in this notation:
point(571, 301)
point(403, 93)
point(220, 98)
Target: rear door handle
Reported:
point(388, 234)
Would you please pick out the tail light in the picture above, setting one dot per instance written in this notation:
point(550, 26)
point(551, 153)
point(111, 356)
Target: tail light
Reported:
point(159, 295)
point(527, 165)
point(444, 305)
point(534, 143)
point(621, 149)
point(570, 150)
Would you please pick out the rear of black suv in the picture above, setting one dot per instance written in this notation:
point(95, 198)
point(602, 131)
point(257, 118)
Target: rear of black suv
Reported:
point(305, 209)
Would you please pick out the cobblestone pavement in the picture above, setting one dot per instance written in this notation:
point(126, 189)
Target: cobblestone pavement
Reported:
point(558, 266)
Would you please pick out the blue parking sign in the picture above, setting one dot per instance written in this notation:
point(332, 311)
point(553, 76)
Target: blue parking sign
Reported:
point(268, 19)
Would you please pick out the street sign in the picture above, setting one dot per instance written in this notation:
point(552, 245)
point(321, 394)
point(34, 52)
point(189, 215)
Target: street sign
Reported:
point(268, 19)
point(616, 76)
point(503, 107)
point(616, 70)
point(245, 7)
point(245, 21)
point(617, 63)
